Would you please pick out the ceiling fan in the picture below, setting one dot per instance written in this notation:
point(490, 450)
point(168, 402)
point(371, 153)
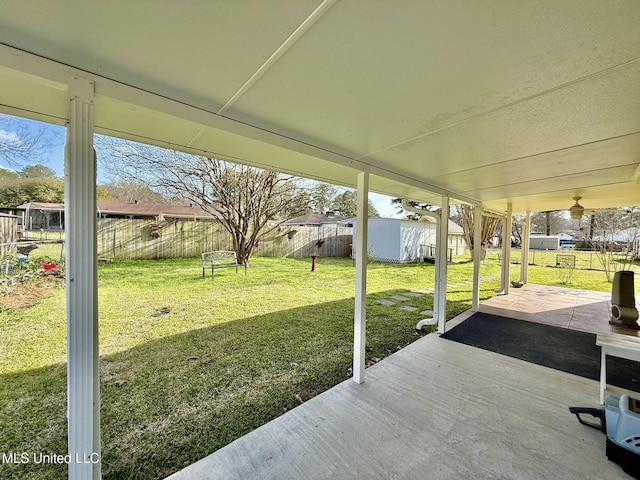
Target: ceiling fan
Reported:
point(576, 210)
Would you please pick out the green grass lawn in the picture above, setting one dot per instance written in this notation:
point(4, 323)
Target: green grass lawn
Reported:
point(229, 355)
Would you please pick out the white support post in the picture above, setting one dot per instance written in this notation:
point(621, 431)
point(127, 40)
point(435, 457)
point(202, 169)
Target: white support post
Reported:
point(524, 268)
point(477, 256)
point(506, 250)
point(83, 373)
point(360, 315)
point(442, 244)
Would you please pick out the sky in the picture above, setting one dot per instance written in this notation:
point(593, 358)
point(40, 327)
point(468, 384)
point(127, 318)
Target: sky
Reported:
point(54, 158)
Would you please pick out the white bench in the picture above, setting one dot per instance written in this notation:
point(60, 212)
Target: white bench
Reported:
point(220, 259)
point(616, 345)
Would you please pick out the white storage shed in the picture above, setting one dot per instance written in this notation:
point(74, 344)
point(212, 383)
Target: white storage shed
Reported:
point(544, 242)
point(396, 240)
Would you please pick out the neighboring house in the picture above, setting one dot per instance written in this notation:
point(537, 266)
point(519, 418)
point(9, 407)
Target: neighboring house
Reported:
point(620, 240)
point(50, 216)
point(403, 241)
point(40, 215)
point(316, 219)
point(566, 240)
point(152, 211)
point(456, 242)
point(564, 237)
point(626, 236)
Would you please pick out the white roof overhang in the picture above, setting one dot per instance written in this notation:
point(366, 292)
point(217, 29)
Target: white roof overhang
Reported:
point(530, 103)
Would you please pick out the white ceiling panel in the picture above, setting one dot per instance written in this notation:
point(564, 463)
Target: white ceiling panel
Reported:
point(198, 53)
point(602, 107)
point(493, 102)
point(117, 118)
point(34, 97)
point(600, 196)
point(593, 178)
point(620, 152)
point(364, 79)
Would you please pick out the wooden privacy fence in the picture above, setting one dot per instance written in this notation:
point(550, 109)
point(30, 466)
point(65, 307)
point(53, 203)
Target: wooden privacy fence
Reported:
point(303, 241)
point(121, 238)
point(8, 234)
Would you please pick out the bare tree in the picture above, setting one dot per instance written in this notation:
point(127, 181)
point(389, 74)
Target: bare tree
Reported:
point(23, 141)
point(244, 198)
point(614, 236)
point(465, 216)
point(549, 223)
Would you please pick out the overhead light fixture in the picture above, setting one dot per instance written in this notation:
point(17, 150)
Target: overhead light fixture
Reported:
point(577, 210)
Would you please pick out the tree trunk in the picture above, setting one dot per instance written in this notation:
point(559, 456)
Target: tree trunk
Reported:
point(548, 223)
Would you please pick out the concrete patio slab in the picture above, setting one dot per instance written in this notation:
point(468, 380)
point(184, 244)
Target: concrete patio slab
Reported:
point(564, 307)
point(436, 409)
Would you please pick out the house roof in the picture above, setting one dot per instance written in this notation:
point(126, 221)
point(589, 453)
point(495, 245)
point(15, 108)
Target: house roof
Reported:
point(528, 103)
point(115, 207)
point(51, 207)
point(314, 219)
point(155, 209)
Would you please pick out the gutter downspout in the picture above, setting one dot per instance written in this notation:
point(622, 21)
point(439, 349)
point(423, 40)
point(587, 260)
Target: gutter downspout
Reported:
point(436, 290)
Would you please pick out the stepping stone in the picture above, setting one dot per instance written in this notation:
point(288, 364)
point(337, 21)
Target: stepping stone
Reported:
point(388, 303)
point(400, 298)
point(414, 294)
point(426, 292)
point(408, 308)
point(428, 313)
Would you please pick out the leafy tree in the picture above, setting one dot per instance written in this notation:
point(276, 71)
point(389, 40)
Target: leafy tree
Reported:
point(103, 193)
point(46, 190)
point(7, 176)
point(130, 191)
point(346, 203)
point(244, 198)
point(37, 171)
point(322, 197)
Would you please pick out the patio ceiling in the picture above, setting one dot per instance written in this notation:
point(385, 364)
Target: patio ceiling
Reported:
point(493, 102)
